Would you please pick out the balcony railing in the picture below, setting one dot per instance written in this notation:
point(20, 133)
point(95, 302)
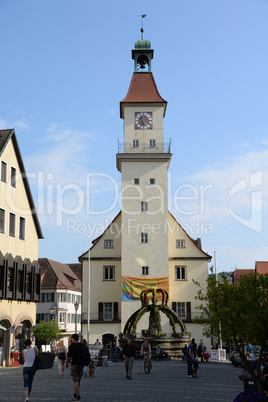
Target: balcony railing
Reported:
point(128, 148)
point(96, 317)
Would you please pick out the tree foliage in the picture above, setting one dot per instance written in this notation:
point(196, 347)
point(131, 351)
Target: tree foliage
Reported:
point(47, 332)
point(238, 313)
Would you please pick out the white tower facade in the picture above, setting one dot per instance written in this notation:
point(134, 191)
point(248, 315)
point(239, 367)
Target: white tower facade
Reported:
point(143, 163)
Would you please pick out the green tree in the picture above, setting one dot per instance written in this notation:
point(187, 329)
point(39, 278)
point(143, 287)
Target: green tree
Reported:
point(46, 332)
point(237, 313)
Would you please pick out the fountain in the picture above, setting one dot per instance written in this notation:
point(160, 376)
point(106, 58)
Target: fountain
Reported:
point(172, 345)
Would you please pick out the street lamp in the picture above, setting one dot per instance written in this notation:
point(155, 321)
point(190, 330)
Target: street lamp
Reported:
point(76, 306)
point(52, 310)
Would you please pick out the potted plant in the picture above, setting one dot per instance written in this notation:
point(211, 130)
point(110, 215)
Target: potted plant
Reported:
point(47, 332)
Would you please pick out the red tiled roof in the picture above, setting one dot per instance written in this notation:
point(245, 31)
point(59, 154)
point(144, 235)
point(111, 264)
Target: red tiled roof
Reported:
point(240, 272)
point(142, 89)
point(58, 276)
point(77, 269)
point(261, 267)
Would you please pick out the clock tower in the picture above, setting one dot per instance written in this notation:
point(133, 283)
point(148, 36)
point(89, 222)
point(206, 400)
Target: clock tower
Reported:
point(143, 160)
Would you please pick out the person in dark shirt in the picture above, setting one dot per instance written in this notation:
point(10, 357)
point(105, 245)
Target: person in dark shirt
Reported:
point(114, 349)
point(190, 356)
point(129, 352)
point(76, 352)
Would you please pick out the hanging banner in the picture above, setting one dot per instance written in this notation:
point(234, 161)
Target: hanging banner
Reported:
point(133, 286)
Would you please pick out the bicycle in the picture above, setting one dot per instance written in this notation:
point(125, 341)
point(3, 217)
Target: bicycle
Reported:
point(147, 367)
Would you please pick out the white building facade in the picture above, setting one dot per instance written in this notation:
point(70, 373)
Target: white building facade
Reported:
point(61, 297)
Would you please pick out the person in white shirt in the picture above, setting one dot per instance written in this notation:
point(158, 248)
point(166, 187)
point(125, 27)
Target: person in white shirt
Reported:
point(28, 356)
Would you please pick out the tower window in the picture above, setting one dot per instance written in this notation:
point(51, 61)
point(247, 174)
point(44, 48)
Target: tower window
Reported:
point(135, 143)
point(180, 273)
point(152, 143)
point(144, 237)
point(136, 181)
point(180, 243)
point(13, 176)
point(3, 171)
point(108, 244)
point(145, 270)
point(144, 206)
point(152, 181)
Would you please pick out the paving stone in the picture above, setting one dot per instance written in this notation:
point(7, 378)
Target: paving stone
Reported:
point(168, 381)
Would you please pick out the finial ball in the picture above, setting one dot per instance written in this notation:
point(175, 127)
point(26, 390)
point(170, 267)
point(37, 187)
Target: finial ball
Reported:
point(142, 30)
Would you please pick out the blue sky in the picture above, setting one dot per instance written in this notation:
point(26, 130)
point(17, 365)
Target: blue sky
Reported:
point(66, 65)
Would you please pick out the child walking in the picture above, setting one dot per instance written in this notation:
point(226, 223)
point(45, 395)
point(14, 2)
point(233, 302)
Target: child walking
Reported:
point(195, 367)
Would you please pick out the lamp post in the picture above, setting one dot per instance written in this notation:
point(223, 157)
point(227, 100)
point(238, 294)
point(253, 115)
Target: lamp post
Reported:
point(52, 310)
point(76, 306)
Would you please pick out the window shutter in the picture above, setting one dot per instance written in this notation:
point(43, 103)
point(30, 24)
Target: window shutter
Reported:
point(100, 311)
point(43, 297)
point(115, 311)
point(52, 297)
point(174, 306)
point(188, 308)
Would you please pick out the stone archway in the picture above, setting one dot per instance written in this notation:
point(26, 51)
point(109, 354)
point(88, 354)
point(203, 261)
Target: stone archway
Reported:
point(5, 324)
point(27, 324)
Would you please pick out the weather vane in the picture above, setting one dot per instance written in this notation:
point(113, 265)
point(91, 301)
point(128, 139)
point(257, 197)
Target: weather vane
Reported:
point(142, 30)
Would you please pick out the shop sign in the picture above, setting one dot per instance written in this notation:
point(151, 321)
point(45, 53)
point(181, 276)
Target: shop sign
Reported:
point(222, 354)
point(214, 355)
point(12, 329)
point(19, 329)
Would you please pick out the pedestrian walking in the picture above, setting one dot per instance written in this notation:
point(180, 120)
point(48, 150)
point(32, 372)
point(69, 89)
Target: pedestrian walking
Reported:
point(195, 367)
point(114, 349)
point(28, 356)
point(85, 368)
point(129, 352)
point(80, 356)
point(61, 352)
point(190, 356)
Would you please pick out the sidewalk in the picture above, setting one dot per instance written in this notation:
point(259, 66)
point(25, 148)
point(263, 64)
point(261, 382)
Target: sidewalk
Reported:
point(168, 381)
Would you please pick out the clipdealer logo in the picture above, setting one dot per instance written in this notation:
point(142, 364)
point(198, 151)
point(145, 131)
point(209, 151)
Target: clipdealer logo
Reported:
point(254, 186)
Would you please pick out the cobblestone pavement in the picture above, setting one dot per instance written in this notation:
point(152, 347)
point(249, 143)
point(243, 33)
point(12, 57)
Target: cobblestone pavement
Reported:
point(168, 381)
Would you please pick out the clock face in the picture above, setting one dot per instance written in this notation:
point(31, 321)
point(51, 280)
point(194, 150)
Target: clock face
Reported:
point(143, 120)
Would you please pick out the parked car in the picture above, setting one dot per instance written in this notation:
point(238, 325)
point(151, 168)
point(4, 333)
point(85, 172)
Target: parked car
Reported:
point(251, 352)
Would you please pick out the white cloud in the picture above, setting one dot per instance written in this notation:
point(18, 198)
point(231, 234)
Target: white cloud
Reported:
point(4, 124)
point(229, 258)
point(214, 194)
point(20, 124)
point(65, 180)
